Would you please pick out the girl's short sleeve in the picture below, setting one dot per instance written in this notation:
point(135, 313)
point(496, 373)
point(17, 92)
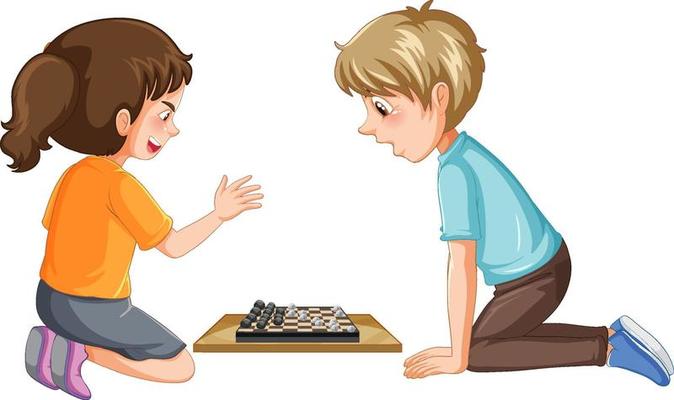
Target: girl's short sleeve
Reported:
point(138, 211)
point(46, 219)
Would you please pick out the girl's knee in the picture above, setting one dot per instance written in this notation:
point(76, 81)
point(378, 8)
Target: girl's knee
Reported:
point(179, 368)
point(186, 366)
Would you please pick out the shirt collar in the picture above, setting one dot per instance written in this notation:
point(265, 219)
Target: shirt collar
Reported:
point(454, 148)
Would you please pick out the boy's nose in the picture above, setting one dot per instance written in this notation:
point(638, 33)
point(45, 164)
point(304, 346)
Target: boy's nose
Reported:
point(366, 129)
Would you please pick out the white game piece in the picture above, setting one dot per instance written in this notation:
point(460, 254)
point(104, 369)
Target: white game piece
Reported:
point(340, 314)
point(350, 328)
point(334, 328)
point(332, 321)
point(292, 306)
point(292, 313)
point(304, 317)
point(335, 308)
point(318, 322)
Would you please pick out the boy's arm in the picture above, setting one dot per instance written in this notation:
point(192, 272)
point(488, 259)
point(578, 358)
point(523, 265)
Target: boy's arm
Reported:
point(461, 291)
point(461, 294)
point(230, 201)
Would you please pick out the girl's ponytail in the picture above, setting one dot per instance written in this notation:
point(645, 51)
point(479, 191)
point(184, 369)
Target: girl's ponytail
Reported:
point(43, 98)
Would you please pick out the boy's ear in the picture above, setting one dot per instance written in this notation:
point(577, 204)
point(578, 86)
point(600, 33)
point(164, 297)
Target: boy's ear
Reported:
point(440, 96)
point(123, 122)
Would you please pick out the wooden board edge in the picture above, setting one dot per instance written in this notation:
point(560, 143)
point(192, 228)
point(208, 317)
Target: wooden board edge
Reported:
point(208, 331)
point(240, 349)
point(387, 331)
point(203, 348)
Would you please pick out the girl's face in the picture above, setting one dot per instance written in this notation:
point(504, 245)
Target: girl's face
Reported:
point(412, 130)
point(153, 127)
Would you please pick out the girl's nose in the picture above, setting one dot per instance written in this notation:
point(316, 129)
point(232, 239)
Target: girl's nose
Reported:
point(173, 130)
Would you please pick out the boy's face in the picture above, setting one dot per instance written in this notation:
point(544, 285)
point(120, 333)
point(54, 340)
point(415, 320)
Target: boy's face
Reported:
point(414, 131)
point(154, 126)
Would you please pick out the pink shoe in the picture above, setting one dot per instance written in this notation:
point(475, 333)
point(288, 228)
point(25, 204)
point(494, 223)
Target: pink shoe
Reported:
point(38, 355)
point(67, 359)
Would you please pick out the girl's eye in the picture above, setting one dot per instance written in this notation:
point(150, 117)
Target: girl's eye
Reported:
point(164, 115)
point(382, 106)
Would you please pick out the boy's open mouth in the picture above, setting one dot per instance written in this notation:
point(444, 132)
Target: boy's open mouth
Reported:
point(153, 145)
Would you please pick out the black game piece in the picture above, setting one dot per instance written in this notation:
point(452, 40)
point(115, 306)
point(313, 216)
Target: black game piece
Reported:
point(271, 304)
point(271, 326)
point(252, 317)
point(245, 323)
point(256, 311)
point(259, 304)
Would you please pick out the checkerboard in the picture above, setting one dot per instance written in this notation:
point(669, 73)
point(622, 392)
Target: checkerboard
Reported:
point(294, 330)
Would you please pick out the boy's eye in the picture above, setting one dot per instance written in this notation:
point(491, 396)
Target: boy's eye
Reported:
point(382, 106)
point(164, 115)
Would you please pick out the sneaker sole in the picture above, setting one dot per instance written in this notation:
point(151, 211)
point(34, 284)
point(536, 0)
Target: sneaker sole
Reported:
point(629, 339)
point(59, 366)
point(33, 351)
point(648, 341)
point(59, 352)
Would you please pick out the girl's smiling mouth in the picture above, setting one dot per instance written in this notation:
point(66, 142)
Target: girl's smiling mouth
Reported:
point(153, 144)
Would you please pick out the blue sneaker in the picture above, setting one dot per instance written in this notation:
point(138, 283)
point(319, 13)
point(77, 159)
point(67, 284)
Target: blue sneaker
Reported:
point(628, 354)
point(645, 339)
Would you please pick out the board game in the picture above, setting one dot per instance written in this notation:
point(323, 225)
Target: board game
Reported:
point(323, 324)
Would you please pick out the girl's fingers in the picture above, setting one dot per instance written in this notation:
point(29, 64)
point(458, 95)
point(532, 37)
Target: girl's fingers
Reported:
point(250, 206)
point(247, 189)
point(223, 184)
point(237, 184)
point(250, 197)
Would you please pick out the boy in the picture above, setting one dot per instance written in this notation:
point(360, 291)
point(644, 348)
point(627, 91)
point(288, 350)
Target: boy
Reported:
point(419, 72)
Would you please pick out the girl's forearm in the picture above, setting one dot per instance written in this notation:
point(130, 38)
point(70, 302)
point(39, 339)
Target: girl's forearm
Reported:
point(462, 288)
point(179, 243)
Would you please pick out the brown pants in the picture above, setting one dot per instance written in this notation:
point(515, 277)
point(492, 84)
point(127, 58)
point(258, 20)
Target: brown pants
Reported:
point(510, 335)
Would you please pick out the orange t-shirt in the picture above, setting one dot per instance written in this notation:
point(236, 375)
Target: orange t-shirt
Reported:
point(96, 215)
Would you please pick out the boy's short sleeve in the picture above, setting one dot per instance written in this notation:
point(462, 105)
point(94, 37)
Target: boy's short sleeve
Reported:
point(138, 211)
point(458, 204)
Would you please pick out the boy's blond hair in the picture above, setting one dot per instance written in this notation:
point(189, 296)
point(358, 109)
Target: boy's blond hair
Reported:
point(411, 51)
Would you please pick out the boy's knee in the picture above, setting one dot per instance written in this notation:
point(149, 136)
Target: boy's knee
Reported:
point(476, 354)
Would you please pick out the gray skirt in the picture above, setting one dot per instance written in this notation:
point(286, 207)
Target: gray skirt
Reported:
point(113, 324)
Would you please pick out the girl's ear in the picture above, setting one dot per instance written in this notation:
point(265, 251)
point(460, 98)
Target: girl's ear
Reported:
point(440, 96)
point(123, 122)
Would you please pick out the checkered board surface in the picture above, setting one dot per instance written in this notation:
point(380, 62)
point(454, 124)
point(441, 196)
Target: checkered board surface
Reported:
point(294, 330)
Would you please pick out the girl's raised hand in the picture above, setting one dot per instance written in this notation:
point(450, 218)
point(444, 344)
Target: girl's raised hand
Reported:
point(234, 199)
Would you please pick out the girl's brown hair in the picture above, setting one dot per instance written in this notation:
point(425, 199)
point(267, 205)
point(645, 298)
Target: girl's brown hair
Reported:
point(73, 90)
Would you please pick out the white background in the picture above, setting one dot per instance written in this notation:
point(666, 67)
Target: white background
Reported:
point(577, 101)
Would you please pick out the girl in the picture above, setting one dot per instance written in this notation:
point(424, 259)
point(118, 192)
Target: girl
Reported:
point(109, 89)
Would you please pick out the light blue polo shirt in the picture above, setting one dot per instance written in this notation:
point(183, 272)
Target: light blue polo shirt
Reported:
point(481, 200)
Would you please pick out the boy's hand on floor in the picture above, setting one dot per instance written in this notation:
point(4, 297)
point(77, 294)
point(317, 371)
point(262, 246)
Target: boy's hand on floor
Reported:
point(434, 365)
point(234, 199)
point(428, 353)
